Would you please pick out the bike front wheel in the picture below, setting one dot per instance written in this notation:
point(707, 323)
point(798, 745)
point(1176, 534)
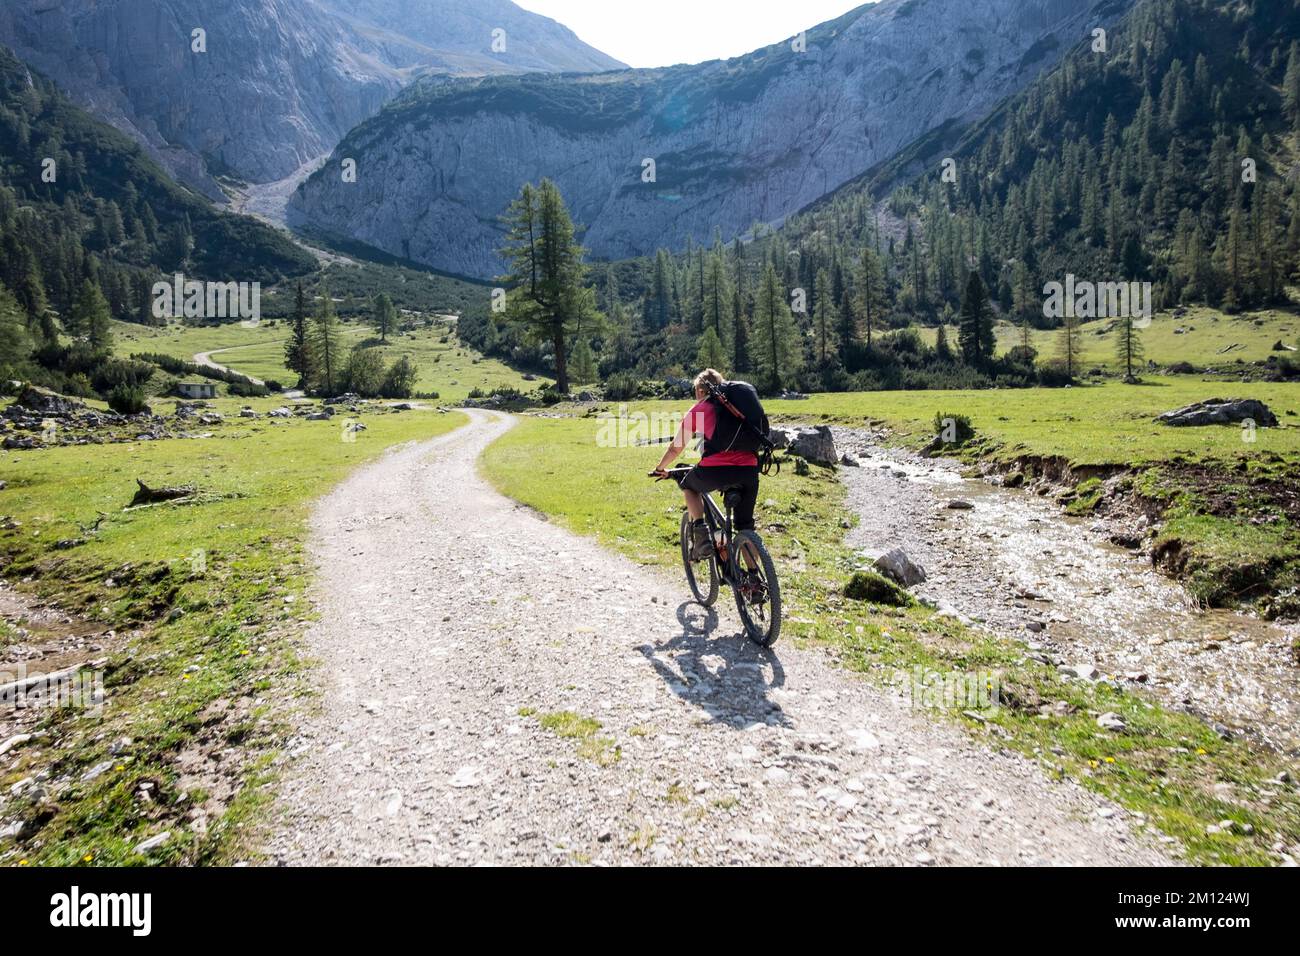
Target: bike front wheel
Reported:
point(758, 592)
point(702, 575)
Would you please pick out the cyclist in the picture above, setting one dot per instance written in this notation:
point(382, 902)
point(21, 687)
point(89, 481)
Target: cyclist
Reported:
point(729, 460)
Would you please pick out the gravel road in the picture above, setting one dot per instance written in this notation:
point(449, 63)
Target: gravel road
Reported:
point(452, 620)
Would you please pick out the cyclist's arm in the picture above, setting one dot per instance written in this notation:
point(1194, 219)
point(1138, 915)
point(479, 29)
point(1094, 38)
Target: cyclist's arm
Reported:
point(678, 445)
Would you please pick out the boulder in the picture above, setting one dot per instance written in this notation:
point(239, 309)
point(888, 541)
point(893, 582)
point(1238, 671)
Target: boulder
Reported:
point(849, 461)
point(815, 444)
point(897, 565)
point(1218, 411)
point(44, 402)
point(280, 413)
point(782, 435)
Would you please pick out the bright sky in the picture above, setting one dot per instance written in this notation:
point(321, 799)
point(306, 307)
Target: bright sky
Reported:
point(666, 32)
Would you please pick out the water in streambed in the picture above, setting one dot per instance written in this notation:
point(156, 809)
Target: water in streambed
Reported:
point(1015, 563)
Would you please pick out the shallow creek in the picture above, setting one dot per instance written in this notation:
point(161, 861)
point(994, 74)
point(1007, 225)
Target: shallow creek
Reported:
point(1015, 563)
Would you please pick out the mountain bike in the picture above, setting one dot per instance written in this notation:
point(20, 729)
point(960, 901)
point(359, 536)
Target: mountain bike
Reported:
point(739, 560)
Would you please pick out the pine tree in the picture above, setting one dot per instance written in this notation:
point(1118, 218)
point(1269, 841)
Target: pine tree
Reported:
point(548, 298)
point(871, 291)
point(825, 339)
point(299, 354)
point(975, 330)
point(942, 350)
point(1291, 85)
point(582, 363)
point(718, 308)
point(1068, 345)
point(327, 346)
point(91, 318)
point(15, 341)
point(711, 353)
point(658, 297)
point(384, 316)
point(775, 343)
point(1128, 347)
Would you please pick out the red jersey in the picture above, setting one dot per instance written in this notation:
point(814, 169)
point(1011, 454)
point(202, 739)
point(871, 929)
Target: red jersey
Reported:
point(701, 420)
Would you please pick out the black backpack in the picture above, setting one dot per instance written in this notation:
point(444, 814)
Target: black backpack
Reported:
point(741, 424)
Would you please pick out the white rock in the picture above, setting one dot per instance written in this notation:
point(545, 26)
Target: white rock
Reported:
point(154, 842)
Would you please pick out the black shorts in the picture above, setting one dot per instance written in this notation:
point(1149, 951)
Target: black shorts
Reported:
point(725, 477)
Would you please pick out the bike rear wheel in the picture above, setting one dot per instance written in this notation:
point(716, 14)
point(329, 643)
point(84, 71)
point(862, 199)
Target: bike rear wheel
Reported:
point(702, 575)
point(758, 592)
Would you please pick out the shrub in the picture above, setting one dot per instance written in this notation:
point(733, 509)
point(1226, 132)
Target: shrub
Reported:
point(877, 589)
point(953, 430)
point(128, 400)
point(365, 372)
point(118, 373)
point(246, 389)
point(399, 381)
point(622, 387)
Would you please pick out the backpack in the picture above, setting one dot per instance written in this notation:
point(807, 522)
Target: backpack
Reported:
point(731, 433)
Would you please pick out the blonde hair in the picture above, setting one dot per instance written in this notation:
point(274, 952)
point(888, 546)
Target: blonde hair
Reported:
point(708, 377)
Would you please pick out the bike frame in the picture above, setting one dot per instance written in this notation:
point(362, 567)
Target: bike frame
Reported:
point(718, 521)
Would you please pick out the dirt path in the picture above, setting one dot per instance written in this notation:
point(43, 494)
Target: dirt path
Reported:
point(205, 359)
point(451, 620)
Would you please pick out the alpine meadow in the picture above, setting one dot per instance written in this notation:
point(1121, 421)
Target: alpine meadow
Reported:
point(428, 441)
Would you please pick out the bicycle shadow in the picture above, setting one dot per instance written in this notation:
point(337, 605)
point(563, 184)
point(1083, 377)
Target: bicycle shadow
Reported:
point(721, 674)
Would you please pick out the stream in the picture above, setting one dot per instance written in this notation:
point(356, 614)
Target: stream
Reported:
point(1017, 564)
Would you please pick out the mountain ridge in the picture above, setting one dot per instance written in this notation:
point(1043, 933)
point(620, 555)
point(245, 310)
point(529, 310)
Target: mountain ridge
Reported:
point(280, 81)
point(735, 142)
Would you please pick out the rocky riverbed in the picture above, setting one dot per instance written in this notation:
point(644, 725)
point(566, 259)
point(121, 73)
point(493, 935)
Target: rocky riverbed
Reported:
point(1014, 563)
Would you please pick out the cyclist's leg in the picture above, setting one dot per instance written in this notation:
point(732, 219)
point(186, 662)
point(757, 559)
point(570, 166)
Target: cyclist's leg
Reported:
point(744, 516)
point(694, 504)
point(694, 488)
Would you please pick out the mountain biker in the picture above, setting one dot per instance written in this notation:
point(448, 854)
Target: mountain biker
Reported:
point(728, 461)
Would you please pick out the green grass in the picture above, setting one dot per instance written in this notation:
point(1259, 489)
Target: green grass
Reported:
point(1235, 541)
point(602, 751)
point(1167, 765)
point(449, 368)
point(1207, 333)
point(207, 600)
point(1109, 424)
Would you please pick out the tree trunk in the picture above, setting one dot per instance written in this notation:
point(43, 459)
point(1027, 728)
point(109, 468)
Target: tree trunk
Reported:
point(561, 365)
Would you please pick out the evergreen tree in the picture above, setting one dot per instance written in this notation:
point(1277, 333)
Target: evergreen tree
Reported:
point(582, 364)
point(871, 291)
point(942, 350)
point(327, 346)
point(719, 311)
point(824, 337)
point(384, 316)
point(711, 353)
point(90, 317)
point(15, 341)
point(659, 302)
point(1128, 347)
point(1069, 347)
point(975, 330)
point(299, 353)
point(548, 299)
point(775, 342)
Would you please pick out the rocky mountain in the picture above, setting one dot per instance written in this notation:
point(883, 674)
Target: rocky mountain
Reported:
point(457, 36)
point(751, 139)
point(277, 83)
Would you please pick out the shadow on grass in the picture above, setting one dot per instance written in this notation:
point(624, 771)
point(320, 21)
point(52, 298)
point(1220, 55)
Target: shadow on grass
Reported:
point(720, 673)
